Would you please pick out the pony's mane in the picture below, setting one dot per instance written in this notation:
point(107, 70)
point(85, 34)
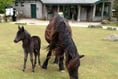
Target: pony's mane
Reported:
point(63, 36)
point(58, 19)
point(70, 48)
point(27, 34)
point(67, 39)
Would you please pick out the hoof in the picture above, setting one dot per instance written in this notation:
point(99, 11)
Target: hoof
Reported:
point(39, 65)
point(33, 71)
point(44, 67)
point(62, 70)
point(23, 70)
point(34, 65)
point(55, 62)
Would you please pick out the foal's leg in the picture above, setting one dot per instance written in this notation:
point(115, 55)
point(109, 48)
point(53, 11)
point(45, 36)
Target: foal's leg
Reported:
point(25, 60)
point(35, 55)
point(38, 53)
point(31, 59)
point(44, 66)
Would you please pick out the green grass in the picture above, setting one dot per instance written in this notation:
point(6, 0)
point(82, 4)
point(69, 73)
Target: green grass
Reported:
point(100, 61)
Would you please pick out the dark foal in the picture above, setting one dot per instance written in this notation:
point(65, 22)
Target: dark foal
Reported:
point(65, 44)
point(30, 45)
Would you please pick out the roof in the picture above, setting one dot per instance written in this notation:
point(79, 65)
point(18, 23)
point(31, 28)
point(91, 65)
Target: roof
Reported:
point(69, 1)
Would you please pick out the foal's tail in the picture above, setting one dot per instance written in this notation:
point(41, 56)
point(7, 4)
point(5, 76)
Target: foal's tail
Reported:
point(81, 56)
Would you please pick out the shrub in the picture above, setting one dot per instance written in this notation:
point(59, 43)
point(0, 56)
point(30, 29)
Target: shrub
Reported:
point(95, 26)
point(111, 28)
point(105, 22)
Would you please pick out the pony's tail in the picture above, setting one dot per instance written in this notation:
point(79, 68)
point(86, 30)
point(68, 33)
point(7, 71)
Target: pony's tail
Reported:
point(60, 28)
point(52, 44)
point(39, 41)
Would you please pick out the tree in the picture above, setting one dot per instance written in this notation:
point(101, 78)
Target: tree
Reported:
point(116, 8)
point(5, 3)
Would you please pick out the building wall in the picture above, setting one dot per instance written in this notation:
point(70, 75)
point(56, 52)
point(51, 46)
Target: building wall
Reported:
point(105, 11)
point(86, 13)
point(25, 10)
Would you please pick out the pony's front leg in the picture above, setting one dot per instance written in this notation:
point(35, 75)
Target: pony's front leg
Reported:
point(61, 64)
point(44, 66)
point(25, 60)
point(55, 60)
point(31, 59)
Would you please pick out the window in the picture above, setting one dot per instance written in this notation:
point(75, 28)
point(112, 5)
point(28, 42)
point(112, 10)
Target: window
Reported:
point(106, 9)
point(98, 10)
point(49, 9)
point(22, 4)
point(16, 3)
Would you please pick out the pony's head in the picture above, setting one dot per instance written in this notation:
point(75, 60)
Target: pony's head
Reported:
point(72, 67)
point(20, 35)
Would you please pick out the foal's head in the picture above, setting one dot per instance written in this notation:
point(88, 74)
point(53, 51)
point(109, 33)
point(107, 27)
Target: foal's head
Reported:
point(21, 34)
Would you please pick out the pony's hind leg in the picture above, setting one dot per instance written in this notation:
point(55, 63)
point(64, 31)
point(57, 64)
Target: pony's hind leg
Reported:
point(25, 60)
point(44, 66)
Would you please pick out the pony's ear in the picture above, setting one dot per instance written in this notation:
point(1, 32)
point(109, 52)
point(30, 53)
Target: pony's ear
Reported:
point(22, 28)
point(19, 27)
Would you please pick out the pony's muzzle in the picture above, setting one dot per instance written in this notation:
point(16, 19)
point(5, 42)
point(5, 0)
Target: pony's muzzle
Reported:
point(15, 41)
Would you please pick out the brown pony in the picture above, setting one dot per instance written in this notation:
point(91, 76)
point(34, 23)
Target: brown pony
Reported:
point(50, 30)
point(62, 42)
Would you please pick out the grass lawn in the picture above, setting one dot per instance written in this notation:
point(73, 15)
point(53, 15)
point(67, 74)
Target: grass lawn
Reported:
point(100, 61)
